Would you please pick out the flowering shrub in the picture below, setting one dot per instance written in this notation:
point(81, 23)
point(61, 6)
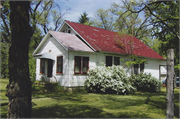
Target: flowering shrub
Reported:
point(146, 82)
point(108, 80)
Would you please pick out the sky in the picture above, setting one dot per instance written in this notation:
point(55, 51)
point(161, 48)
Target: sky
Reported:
point(77, 7)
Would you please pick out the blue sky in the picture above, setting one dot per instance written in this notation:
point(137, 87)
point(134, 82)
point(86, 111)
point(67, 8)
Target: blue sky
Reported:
point(77, 7)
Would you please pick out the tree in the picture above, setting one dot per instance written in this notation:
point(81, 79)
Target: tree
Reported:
point(41, 14)
point(19, 87)
point(103, 19)
point(163, 18)
point(127, 45)
point(128, 23)
point(83, 18)
point(170, 88)
point(115, 19)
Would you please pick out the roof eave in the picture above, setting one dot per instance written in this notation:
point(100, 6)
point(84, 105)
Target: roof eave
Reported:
point(40, 44)
point(80, 51)
point(127, 55)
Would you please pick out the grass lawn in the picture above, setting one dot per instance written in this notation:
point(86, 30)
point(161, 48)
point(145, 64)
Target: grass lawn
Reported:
point(62, 105)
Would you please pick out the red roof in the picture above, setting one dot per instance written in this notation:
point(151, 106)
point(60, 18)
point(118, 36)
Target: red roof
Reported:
point(109, 41)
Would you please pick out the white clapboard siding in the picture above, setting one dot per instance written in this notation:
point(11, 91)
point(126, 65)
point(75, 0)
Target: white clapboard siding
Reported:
point(68, 78)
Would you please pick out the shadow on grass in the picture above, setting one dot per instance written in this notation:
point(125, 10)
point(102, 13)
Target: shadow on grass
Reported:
point(69, 111)
point(110, 102)
point(80, 111)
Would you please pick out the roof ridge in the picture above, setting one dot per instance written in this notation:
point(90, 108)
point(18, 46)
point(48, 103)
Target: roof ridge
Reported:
point(91, 26)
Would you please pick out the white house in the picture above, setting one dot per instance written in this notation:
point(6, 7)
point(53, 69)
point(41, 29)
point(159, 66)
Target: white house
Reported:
point(67, 55)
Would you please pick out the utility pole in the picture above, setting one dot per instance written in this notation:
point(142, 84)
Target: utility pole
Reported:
point(170, 88)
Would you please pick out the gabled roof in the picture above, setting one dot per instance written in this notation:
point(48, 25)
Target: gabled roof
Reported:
point(70, 41)
point(109, 41)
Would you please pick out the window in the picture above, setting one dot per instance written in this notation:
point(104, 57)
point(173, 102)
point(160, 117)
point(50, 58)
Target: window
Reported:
point(42, 66)
point(108, 60)
point(81, 65)
point(69, 31)
point(138, 68)
point(116, 61)
point(141, 67)
point(77, 67)
point(59, 65)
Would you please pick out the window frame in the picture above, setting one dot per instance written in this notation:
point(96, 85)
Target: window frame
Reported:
point(110, 57)
point(81, 63)
point(136, 69)
point(42, 62)
point(139, 68)
point(75, 62)
point(142, 66)
point(118, 61)
point(113, 60)
point(61, 64)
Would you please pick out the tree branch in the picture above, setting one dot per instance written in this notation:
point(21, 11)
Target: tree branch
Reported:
point(161, 20)
point(6, 26)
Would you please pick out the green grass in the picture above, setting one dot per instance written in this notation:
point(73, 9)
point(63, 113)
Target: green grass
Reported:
point(62, 104)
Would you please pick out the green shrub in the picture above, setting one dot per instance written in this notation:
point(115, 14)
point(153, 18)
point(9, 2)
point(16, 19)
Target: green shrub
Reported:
point(111, 80)
point(146, 82)
point(37, 86)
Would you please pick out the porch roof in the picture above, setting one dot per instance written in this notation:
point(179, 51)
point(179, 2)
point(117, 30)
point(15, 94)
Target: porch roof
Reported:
point(48, 55)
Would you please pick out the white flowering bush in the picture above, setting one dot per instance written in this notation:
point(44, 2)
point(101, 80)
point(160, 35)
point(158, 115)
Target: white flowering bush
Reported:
point(146, 82)
point(111, 80)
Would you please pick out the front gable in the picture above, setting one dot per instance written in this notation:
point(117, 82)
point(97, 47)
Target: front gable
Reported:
point(67, 28)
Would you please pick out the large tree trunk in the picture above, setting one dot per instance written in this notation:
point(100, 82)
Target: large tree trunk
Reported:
point(19, 87)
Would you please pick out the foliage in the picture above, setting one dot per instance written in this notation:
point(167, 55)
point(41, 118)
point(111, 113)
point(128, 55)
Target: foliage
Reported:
point(41, 86)
point(41, 13)
point(108, 80)
point(131, 60)
point(167, 34)
point(128, 23)
point(162, 20)
point(32, 68)
point(83, 18)
point(145, 82)
point(35, 40)
point(38, 86)
point(103, 19)
point(4, 60)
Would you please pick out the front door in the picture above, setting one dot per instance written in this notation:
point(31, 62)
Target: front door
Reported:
point(50, 67)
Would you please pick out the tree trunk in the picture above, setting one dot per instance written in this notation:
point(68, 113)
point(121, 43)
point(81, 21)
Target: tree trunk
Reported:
point(170, 88)
point(19, 87)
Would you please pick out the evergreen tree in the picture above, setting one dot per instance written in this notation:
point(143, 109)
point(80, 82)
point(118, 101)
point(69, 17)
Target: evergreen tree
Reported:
point(83, 18)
